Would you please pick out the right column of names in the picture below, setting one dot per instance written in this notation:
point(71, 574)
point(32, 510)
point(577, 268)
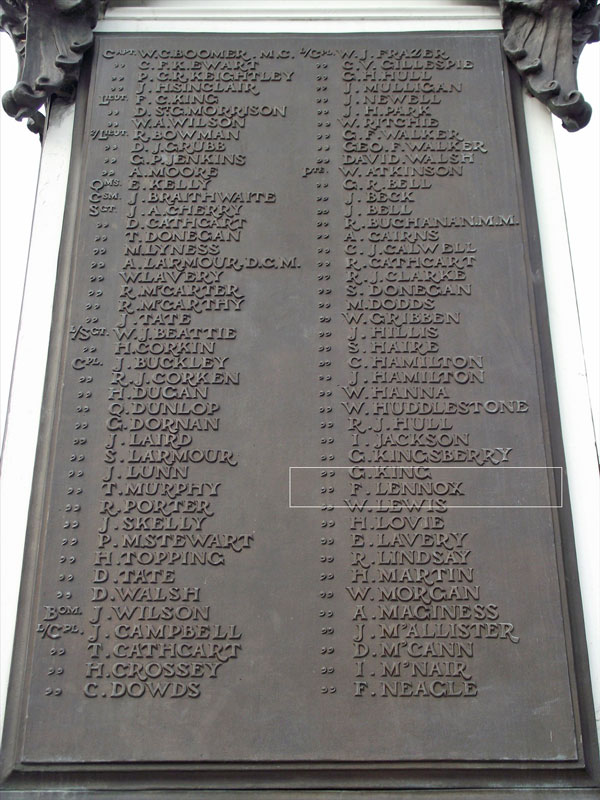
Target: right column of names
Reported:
point(420, 397)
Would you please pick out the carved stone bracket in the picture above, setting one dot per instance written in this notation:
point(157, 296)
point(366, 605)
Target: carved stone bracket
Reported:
point(544, 39)
point(50, 38)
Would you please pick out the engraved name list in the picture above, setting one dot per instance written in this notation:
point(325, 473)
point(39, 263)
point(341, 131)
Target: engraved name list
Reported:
point(300, 503)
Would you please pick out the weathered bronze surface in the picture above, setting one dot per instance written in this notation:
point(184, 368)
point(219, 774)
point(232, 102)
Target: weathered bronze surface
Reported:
point(299, 517)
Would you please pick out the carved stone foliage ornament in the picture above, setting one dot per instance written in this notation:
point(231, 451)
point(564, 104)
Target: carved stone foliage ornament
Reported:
point(50, 38)
point(543, 39)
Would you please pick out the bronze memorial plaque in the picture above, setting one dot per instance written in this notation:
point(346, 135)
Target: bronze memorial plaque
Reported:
point(299, 500)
